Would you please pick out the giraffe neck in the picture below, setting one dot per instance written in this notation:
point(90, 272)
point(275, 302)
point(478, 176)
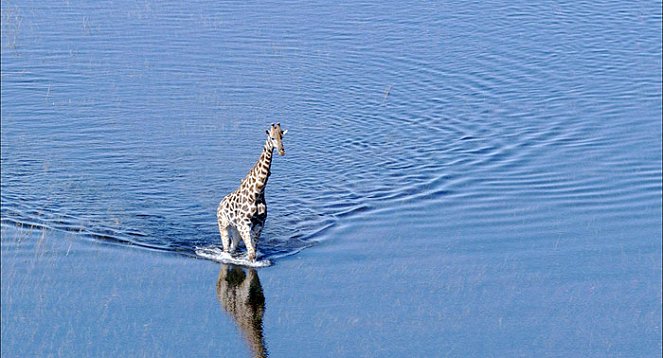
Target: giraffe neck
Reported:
point(261, 170)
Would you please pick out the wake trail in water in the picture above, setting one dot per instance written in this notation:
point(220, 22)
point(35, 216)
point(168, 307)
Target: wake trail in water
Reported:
point(217, 254)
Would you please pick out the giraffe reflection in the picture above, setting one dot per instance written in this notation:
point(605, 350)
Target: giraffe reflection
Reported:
point(240, 295)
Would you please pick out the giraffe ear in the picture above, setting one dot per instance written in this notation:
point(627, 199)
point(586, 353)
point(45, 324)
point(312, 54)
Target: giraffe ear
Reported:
point(284, 132)
point(267, 131)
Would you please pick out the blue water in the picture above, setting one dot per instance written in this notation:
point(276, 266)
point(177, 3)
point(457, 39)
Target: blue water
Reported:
point(506, 155)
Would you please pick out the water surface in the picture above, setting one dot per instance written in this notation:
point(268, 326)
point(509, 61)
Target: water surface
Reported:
point(491, 172)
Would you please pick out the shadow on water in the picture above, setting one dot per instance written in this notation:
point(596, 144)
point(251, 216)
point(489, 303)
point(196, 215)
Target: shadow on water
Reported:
point(240, 294)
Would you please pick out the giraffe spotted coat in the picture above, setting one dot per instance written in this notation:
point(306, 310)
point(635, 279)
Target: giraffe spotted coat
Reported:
point(242, 213)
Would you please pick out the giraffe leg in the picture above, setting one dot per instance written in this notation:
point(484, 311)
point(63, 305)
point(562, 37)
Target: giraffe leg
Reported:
point(225, 237)
point(255, 234)
point(245, 233)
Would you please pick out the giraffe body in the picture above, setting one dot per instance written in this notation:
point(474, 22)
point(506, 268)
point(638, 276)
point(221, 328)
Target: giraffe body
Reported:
point(241, 214)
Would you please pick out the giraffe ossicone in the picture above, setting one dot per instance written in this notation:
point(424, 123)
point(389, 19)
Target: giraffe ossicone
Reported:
point(241, 214)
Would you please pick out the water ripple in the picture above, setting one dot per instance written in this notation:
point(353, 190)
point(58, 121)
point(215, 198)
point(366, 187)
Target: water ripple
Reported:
point(512, 118)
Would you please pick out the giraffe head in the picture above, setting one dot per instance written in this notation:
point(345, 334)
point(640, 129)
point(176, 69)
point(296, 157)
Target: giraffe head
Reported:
point(275, 135)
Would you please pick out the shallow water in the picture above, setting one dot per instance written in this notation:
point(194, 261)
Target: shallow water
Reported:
point(503, 159)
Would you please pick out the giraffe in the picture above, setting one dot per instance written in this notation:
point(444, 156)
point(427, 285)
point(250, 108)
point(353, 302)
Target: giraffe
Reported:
point(243, 212)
